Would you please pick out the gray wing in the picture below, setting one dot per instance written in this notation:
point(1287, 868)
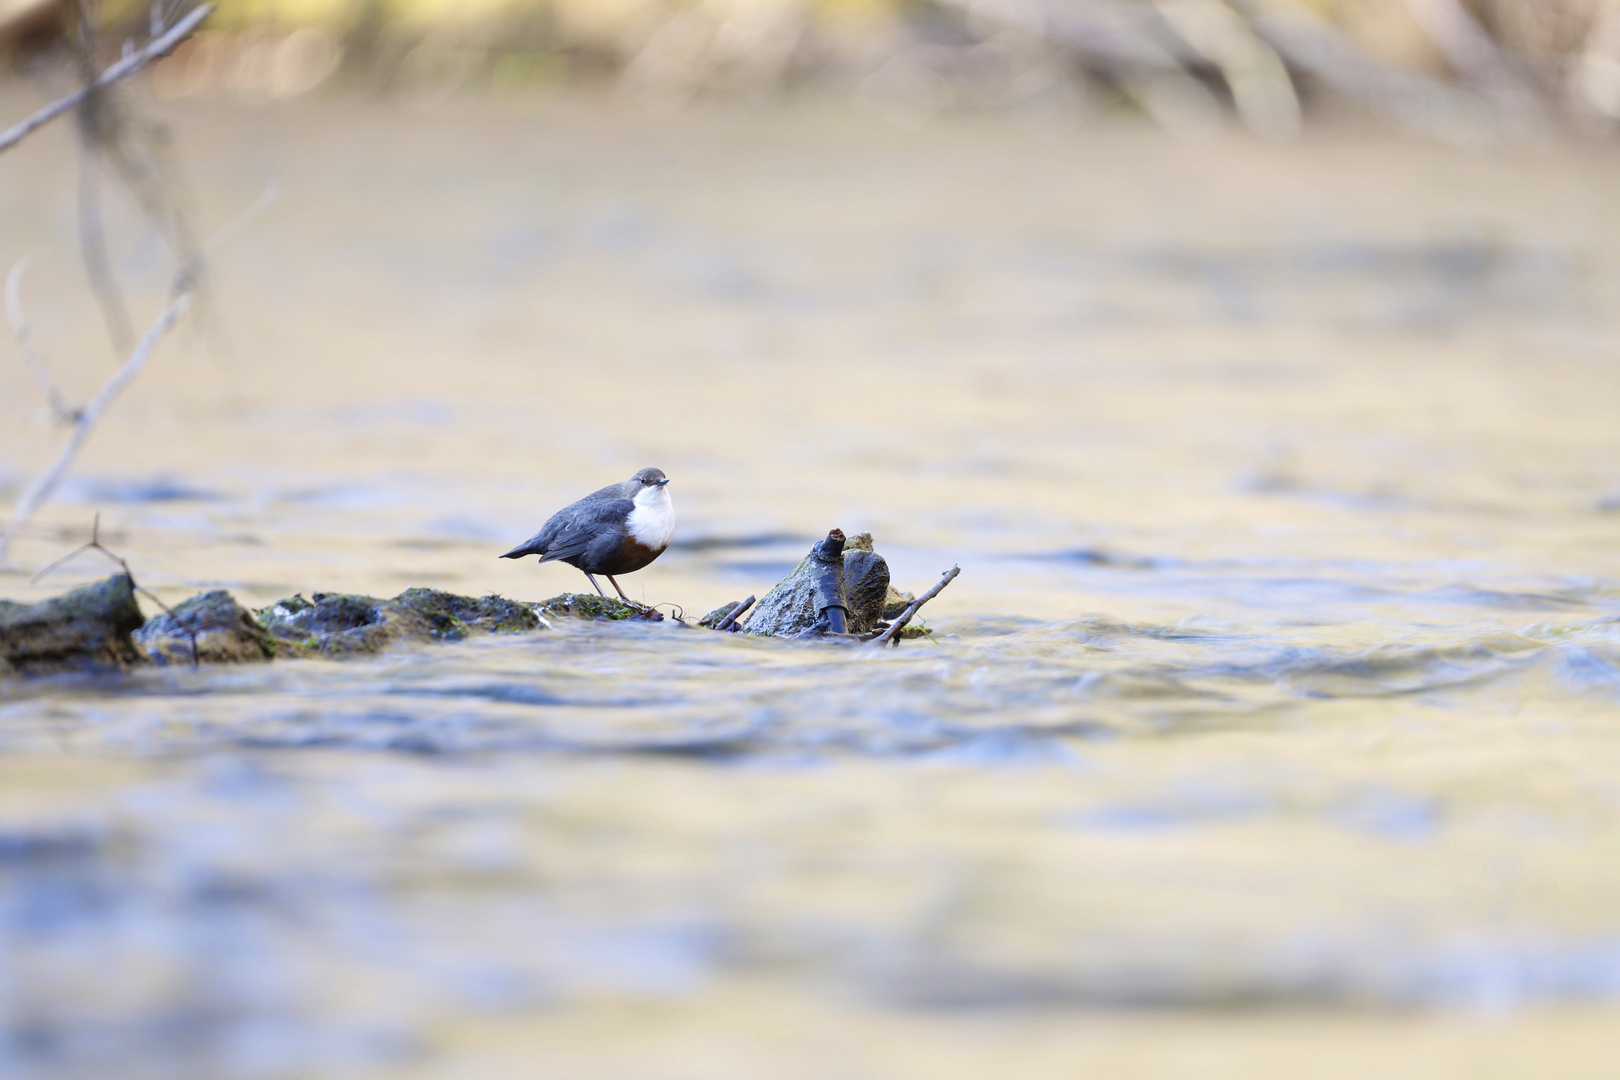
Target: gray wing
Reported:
point(572, 529)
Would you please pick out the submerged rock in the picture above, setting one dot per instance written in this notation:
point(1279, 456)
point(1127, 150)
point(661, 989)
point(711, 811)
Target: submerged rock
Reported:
point(794, 606)
point(718, 615)
point(226, 633)
point(83, 630)
point(347, 624)
point(895, 601)
point(592, 606)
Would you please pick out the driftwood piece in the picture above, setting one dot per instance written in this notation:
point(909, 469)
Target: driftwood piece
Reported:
point(826, 572)
point(911, 608)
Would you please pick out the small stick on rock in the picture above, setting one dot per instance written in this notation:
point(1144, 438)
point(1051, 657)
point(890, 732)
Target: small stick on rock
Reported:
point(95, 544)
point(911, 608)
point(730, 621)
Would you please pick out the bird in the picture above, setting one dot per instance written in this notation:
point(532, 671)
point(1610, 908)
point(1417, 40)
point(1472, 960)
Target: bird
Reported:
point(617, 530)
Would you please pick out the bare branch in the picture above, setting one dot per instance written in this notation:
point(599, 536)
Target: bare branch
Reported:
point(129, 65)
point(1261, 87)
point(60, 409)
point(1418, 102)
point(911, 608)
point(95, 543)
point(41, 489)
point(84, 420)
point(1468, 48)
point(730, 621)
point(93, 243)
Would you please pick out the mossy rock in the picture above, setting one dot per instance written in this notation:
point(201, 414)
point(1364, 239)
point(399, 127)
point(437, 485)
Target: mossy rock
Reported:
point(451, 617)
point(226, 633)
point(87, 629)
point(895, 601)
point(592, 606)
point(347, 624)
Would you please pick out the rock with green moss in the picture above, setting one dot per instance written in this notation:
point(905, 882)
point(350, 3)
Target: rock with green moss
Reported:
point(348, 624)
point(225, 633)
point(790, 608)
point(449, 617)
point(592, 606)
point(718, 615)
point(87, 629)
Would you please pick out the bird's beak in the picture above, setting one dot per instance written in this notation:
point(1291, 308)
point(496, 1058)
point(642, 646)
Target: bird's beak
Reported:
point(664, 481)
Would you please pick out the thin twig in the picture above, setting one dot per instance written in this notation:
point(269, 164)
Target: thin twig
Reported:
point(1262, 90)
point(129, 65)
point(85, 419)
point(731, 616)
point(911, 608)
point(1418, 102)
point(41, 489)
point(93, 242)
point(60, 409)
point(95, 544)
point(98, 125)
point(226, 233)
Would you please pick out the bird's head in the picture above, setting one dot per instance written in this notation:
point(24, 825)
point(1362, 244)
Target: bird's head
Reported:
point(646, 485)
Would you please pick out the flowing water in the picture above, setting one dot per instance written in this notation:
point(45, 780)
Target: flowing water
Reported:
point(1271, 729)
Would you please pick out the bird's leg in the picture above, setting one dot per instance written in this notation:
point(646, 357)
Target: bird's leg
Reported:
point(589, 577)
point(616, 588)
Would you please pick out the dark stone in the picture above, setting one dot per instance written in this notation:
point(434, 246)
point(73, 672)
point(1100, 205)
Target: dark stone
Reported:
point(84, 630)
point(226, 633)
point(591, 606)
point(866, 584)
point(346, 624)
point(335, 613)
point(333, 624)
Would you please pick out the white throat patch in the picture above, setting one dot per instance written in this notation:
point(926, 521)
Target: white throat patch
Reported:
point(652, 522)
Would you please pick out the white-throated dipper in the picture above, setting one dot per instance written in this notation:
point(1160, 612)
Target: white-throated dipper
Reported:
point(617, 530)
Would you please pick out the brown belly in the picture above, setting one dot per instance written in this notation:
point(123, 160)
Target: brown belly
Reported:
point(630, 557)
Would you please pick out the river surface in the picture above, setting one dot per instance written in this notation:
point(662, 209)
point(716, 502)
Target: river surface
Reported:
point(1271, 729)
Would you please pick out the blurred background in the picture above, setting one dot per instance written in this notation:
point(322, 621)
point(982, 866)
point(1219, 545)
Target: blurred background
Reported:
point(1257, 360)
point(1465, 70)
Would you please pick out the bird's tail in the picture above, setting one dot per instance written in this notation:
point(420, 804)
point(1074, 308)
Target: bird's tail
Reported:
point(528, 547)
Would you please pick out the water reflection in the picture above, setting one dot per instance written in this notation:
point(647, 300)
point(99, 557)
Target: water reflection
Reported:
point(1282, 674)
